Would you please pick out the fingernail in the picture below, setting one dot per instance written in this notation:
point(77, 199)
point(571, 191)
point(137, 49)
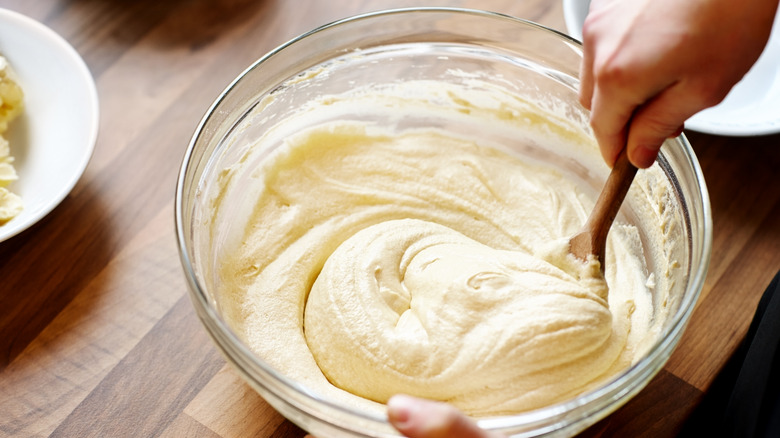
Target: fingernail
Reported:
point(399, 409)
point(643, 157)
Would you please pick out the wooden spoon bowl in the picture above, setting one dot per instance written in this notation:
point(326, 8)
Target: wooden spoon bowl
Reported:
point(592, 239)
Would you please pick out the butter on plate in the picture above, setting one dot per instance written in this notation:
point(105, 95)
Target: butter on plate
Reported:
point(11, 104)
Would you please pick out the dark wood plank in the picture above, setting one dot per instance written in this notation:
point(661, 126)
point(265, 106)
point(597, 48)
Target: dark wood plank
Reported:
point(656, 411)
point(728, 309)
point(103, 323)
point(186, 426)
point(741, 176)
point(52, 262)
point(242, 412)
point(147, 390)
point(288, 430)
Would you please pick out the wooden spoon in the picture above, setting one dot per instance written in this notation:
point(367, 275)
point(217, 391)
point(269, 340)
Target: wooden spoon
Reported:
point(592, 239)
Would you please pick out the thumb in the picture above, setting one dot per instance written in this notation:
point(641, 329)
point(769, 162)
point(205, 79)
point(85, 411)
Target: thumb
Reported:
point(418, 418)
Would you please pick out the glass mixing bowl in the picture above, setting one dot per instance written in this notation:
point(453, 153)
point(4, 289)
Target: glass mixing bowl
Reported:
point(447, 45)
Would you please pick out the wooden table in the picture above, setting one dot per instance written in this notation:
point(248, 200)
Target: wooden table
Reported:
point(97, 333)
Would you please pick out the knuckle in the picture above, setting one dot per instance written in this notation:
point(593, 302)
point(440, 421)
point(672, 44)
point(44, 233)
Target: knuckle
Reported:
point(593, 23)
point(709, 93)
point(614, 73)
point(588, 30)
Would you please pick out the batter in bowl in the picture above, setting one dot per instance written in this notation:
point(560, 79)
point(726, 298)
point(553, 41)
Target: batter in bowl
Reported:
point(378, 260)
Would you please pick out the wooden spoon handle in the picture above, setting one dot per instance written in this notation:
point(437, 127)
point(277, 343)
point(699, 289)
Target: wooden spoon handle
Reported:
point(608, 203)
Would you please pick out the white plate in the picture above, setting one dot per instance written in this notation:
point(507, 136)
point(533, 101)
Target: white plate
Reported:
point(753, 105)
point(53, 139)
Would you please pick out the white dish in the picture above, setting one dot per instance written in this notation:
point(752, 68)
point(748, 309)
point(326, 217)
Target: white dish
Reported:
point(753, 105)
point(53, 139)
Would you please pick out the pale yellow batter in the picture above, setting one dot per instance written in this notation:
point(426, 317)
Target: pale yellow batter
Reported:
point(11, 104)
point(377, 261)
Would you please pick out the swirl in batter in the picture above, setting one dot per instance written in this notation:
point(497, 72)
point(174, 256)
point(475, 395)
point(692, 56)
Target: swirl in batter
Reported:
point(416, 262)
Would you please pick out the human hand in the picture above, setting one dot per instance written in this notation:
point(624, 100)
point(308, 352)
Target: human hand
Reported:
point(648, 65)
point(419, 418)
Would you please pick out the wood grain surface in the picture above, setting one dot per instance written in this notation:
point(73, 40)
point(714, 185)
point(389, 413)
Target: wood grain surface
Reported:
point(97, 333)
